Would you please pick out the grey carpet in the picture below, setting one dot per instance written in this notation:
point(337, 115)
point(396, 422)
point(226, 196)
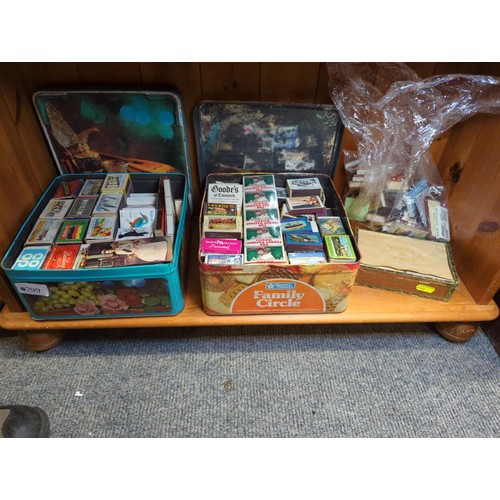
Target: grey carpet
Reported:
point(399, 380)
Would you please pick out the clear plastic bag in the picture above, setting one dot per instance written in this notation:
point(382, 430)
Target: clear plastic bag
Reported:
point(394, 184)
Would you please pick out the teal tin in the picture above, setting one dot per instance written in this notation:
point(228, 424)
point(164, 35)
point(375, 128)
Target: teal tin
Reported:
point(92, 134)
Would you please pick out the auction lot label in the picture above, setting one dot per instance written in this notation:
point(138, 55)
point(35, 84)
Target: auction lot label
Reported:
point(278, 296)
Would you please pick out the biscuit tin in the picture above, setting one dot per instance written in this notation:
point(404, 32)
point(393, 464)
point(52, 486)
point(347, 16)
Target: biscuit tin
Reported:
point(137, 136)
point(263, 147)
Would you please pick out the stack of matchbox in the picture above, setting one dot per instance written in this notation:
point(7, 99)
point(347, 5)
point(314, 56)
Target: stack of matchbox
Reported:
point(411, 210)
point(309, 228)
point(263, 240)
point(306, 233)
point(84, 216)
point(222, 224)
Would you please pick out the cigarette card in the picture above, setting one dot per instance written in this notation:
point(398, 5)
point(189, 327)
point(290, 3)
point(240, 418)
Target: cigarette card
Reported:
point(56, 208)
point(225, 193)
point(263, 236)
point(306, 186)
point(224, 259)
point(281, 193)
point(399, 227)
point(258, 182)
point(439, 223)
point(141, 200)
point(305, 205)
point(167, 190)
point(116, 183)
point(261, 217)
point(81, 256)
point(226, 209)
point(72, 231)
point(339, 248)
point(124, 233)
point(178, 208)
point(69, 189)
point(216, 226)
point(268, 254)
point(306, 258)
point(330, 225)
point(137, 217)
point(32, 258)
point(168, 199)
point(82, 208)
point(260, 199)
point(160, 223)
point(101, 229)
point(44, 232)
point(295, 224)
point(108, 204)
point(91, 188)
point(220, 245)
point(169, 224)
point(298, 241)
point(61, 257)
point(284, 210)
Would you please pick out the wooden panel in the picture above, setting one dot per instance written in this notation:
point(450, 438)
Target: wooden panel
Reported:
point(37, 75)
point(230, 81)
point(186, 78)
point(289, 82)
point(348, 144)
point(470, 167)
point(109, 73)
point(28, 127)
point(438, 146)
point(18, 192)
point(423, 69)
point(9, 83)
point(491, 69)
point(323, 92)
point(461, 141)
point(466, 68)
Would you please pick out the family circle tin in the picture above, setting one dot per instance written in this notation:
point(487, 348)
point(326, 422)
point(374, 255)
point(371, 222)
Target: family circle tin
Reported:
point(278, 142)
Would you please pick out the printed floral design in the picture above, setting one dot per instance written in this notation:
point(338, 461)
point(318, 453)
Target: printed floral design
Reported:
point(87, 307)
point(104, 297)
point(129, 296)
point(112, 303)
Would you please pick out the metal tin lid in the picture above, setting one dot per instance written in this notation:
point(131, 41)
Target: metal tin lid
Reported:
point(115, 131)
point(254, 136)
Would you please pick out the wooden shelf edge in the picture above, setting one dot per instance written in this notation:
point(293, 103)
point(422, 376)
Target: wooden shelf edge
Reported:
point(366, 305)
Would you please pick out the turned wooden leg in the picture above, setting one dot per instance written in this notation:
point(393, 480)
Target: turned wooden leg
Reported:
point(41, 341)
point(456, 332)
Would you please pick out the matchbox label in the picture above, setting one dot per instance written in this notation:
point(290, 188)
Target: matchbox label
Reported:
point(278, 296)
point(215, 245)
point(231, 193)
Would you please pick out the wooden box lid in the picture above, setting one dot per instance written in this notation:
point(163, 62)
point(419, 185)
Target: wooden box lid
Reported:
point(406, 255)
